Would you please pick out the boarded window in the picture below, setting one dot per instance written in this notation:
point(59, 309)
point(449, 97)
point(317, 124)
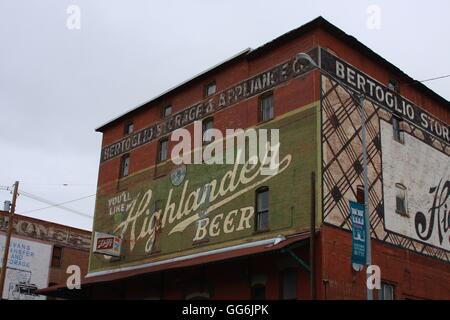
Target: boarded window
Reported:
point(56, 256)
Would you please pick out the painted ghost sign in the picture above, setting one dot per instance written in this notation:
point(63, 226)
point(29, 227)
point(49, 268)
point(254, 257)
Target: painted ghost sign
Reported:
point(28, 267)
point(27, 227)
point(213, 205)
point(385, 97)
point(425, 174)
point(246, 89)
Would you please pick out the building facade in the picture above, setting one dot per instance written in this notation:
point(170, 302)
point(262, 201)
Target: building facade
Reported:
point(39, 255)
point(231, 231)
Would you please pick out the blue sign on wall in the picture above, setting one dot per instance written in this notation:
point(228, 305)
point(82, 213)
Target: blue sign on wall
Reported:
point(359, 242)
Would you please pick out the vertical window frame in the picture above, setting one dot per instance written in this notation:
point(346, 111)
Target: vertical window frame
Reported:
point(261, 111)
point(159, 153)
point(260, 212)
point(123, 159)
point(360, 194)
point(56, 261)
point(204, 123)
point(209, 85)
point(397, 131)
point(381, 292)
point(163, 111)
point(401, 188)
point(126, 128)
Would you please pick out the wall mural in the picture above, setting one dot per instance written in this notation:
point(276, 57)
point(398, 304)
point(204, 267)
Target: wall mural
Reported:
point(197, 207)
point(426, 228)
point(47, 232)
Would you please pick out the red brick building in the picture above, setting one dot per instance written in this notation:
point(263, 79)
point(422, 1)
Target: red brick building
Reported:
point(407, 131)
point(55, 248)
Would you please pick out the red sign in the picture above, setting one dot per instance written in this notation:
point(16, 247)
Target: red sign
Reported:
point(105, 243)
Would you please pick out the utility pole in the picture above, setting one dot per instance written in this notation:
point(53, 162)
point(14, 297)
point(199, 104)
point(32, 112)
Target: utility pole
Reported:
point(8, 238)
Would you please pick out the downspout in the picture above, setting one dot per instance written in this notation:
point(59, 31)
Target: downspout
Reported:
point(312, 250)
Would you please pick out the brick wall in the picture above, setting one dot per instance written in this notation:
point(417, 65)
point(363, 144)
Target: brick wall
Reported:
point(413, 275)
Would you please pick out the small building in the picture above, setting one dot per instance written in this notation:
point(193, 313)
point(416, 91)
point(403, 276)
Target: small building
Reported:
point(233, 231)
point(40, 253)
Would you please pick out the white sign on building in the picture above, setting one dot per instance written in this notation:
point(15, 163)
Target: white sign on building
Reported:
point(420, 174)
point(28, 268)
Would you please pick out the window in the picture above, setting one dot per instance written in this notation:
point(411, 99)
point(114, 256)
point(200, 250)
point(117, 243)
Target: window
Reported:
point(208, 123)
point(128, 128)
point(262, 209)
point(258, 292)
point(124, 165)
point(289, 284)
point(397, 131)
point(56, 256)
point(400, 199)
point(167, 111)
point(163, 150)
point(386, 291)
point(266, 107)
point(210, 89)
point(360, 194)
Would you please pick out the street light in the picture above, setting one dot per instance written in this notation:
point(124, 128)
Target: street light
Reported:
point(306, 59)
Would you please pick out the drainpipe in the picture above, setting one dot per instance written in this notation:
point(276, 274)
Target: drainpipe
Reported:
point(312, 251)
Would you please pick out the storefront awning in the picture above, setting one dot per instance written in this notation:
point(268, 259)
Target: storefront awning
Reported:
point(231, 252)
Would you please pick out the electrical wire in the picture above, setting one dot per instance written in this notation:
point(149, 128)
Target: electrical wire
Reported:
point(60, 204)
point(54, 204)
point(431, 79)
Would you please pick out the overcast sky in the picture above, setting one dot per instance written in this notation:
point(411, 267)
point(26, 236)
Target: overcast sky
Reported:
point(57, 85)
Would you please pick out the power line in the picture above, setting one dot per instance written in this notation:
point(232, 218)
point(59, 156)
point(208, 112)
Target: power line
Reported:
point(54, 204)
point(62, 203)
point(431, 79)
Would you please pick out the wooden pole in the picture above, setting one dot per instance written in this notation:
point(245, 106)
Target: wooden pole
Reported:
point(8, 238)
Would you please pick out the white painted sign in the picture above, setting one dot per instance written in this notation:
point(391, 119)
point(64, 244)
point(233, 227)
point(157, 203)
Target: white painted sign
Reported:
point(424, 174)
point(28, 268)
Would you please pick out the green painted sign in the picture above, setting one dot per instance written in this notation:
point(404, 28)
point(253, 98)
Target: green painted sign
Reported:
point(200, 207)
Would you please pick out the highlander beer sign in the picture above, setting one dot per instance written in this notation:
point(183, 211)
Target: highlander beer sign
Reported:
point(107, 244)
